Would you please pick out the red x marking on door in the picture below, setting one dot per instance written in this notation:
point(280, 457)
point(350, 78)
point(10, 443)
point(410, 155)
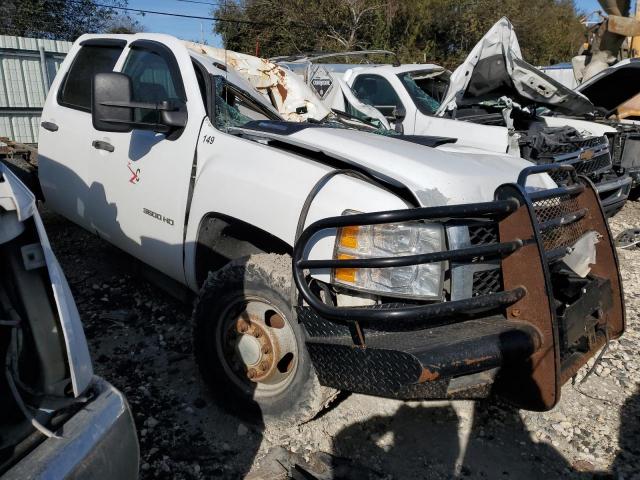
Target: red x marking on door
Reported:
point(135, 175)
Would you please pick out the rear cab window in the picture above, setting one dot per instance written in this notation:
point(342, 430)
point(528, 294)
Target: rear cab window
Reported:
point(94, 56)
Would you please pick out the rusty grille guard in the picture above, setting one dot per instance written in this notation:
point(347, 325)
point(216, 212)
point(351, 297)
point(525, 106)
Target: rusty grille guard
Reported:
point(406, 317)
point(421, 351)
point(416, 315)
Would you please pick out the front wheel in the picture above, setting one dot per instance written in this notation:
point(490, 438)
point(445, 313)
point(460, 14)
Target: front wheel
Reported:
point(250, 348)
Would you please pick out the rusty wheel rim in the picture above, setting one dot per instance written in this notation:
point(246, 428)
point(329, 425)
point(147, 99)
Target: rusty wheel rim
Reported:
point(257, 346)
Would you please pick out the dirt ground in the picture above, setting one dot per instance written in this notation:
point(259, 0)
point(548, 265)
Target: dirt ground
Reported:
point(140, 339)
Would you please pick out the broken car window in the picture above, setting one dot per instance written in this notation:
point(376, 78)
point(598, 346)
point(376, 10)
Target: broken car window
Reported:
point(425, 102)
point(235, 108)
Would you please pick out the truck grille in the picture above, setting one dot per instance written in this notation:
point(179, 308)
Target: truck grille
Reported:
point(586, 167)
point(593, 166)
point(564, 234)
point(487, 281)
point(483, 233)
point(589, 142)
point(570, 146)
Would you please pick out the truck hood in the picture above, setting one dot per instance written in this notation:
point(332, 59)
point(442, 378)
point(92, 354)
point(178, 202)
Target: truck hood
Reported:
point(436, 177)
point(495, 68)
point(614, 86)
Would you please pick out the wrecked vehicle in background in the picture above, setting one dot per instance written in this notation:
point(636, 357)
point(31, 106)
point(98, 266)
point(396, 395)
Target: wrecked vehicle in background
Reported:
point(59, 420)
point(616, 93)
point(351, 260)
point(494, 81)
point(496, 91)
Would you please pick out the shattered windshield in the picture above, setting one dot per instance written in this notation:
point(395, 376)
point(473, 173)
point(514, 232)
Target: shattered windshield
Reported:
point(236, 108)
point(426, 91)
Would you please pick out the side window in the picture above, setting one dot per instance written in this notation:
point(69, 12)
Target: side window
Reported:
point(377, 91)
point(153, 80)
point(75, 91)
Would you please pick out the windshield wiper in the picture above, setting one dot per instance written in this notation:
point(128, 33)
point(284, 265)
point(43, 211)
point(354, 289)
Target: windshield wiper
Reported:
point(340, 113)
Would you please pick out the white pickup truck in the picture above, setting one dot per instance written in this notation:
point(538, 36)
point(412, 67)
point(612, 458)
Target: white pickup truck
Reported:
point(328, 258)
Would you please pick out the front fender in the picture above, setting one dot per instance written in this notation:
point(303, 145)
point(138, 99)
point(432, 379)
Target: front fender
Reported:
point(267, 187)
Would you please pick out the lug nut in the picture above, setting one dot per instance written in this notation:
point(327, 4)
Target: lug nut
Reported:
point(266, 349)
point(264, 365)
point(251, 373)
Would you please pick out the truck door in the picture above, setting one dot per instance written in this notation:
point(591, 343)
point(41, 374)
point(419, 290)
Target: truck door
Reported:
point(63, 149)
point(141, 178)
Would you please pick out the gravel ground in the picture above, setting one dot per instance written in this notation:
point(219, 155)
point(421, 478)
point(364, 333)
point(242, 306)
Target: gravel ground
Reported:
point(140, 341)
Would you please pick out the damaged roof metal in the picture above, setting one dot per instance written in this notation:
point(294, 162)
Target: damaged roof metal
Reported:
point(293, 99)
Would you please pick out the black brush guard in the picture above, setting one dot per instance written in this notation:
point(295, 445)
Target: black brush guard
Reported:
point(522, 342)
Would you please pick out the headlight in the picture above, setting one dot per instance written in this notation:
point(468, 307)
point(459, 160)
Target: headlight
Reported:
point(392, 240)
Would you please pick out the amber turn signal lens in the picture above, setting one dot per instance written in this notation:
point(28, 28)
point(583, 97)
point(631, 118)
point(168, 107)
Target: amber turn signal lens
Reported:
point(347, 275)
point(349, 237)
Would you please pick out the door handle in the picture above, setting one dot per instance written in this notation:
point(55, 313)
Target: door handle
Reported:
point(52, 127)
point(100, 145)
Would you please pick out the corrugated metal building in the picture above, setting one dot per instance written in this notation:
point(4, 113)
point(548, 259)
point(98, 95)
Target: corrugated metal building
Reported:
point(27, 68)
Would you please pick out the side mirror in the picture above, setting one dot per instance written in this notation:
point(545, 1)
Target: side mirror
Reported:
point(173, 114)
point(112, 108)
point(106, 89)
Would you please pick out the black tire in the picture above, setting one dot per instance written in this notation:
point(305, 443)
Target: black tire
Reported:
point(265, 277)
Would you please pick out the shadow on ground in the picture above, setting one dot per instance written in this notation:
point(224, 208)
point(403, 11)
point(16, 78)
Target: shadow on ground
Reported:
point(487, 442)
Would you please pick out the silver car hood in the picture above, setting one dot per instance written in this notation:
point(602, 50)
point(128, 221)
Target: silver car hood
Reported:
point(15, 197)
point(435, 176)
point(495, 68)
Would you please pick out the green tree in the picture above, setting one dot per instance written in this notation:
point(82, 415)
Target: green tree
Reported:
point(123, 24)
point(59, 19)
point(293, 26)
point(441, 31)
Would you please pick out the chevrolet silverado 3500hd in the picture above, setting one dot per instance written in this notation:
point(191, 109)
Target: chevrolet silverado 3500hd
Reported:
point(328, 258)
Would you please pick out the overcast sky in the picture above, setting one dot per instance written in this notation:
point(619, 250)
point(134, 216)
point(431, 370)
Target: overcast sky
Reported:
point(190, 29)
